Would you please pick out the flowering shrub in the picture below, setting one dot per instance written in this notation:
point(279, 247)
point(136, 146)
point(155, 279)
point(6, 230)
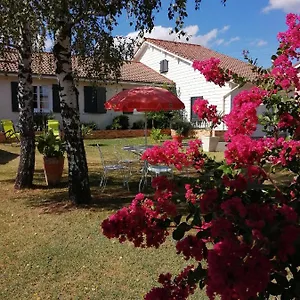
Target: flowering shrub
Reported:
point(241, 228)
point(212, 71)
point(207, 113)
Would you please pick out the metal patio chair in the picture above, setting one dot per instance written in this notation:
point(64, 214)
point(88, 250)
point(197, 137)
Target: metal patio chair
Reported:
point(109, 168)
point(153, 170)
point(125, 159)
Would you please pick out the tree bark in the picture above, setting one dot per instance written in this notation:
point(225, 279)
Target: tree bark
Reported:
point(79, 188)
point(25, 173)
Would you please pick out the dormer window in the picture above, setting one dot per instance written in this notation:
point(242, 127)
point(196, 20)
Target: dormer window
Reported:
point(164, 66)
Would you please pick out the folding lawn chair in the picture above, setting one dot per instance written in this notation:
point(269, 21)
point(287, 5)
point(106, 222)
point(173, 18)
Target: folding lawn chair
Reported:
point(9, 130)
point(54, 126)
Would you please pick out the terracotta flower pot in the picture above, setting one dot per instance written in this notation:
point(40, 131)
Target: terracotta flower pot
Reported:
point(176, 137)
point(53, 168)
point(2, 137)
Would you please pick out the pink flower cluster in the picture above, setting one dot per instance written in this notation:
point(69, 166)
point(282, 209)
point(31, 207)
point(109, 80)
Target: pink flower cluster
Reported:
point(285, 75)
point(243, 117)
point(244, 151)
point(138, 223)
point(173, 153)
point(287, 151)
point(211, 71)
point(290, 39)
point(205, 112)
point(232, 271)
point(191, 246)
point(283, 71)
point(178, 288)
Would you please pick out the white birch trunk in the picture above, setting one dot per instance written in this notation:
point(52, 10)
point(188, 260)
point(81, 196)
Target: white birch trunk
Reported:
point(79, 190)
point(25, 173)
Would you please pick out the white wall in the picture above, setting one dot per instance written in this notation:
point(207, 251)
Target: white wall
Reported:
point(5, 100)
point(189, 83)
point(102, 120)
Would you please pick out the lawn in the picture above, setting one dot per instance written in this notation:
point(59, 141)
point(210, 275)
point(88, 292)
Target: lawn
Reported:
point(50, 249)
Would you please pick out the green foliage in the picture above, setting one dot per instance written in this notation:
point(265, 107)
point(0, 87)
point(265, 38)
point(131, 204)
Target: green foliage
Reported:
point(160, 119)
point(120, 122)
point(50, 145)
point(85, 130)
point(40, 120)
point(16, 18)
point(138, 125)
point(156, 135)
point(90, 125)
point(181, 127)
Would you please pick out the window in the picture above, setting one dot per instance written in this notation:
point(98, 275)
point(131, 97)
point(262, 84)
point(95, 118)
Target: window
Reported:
point(164, 66)
point(194, 117)
point(41, 99)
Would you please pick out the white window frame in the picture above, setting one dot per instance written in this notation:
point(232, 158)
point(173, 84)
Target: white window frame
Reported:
point(38, 109)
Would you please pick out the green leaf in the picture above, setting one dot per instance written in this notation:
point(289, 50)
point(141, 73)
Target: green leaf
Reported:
point(226, 169)
point(202, 284)
point(179, 232)
point(177, 219)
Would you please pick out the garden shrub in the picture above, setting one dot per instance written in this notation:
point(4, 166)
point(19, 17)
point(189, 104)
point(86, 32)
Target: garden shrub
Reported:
point(138, 124)
point(120, 122)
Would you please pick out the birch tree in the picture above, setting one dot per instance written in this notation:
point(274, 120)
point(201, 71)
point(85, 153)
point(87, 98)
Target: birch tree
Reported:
point(84, 28)
point(20, 29)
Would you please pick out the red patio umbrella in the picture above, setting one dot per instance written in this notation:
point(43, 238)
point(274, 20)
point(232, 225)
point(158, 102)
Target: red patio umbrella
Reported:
point(144, 99)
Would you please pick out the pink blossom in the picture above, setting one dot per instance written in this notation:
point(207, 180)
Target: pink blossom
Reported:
point(211, 71)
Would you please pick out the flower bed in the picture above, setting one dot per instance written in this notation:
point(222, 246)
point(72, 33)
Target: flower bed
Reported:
point(114, 134)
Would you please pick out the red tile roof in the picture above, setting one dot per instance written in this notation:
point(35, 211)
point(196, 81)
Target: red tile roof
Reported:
point(197, 52)
point(43, 64)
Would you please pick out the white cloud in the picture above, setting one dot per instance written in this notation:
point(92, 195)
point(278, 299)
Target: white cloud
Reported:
point(285, 5)
point(192, 31)
point(232, 40)
point(259, 43)
point(225, 28)
point(219, 42)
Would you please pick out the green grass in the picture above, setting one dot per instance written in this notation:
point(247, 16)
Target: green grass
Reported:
point(50, 249)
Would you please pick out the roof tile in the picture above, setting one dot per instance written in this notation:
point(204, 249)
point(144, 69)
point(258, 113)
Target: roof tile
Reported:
point(197, 52)
point(43, 64)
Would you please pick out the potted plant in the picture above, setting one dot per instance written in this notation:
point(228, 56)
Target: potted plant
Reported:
point(208, 114)
point(52, 148)
point(179, 129)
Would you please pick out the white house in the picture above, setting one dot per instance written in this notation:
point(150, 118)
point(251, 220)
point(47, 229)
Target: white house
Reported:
point(91, 97)
point(174, 61)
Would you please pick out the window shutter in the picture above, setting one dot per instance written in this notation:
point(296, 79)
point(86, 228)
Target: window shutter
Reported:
point(161, 66)
point(194, 116)
point(101, 99)
point(90, 99)
point(55, 98)
point(164, 68)
point(14, 96)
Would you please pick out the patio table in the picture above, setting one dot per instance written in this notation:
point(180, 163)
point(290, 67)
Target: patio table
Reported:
point(156, 169)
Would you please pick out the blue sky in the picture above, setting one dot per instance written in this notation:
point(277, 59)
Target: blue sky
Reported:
point(240, 25)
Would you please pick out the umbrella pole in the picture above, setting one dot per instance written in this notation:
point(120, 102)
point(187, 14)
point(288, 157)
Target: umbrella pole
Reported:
point(146, 129)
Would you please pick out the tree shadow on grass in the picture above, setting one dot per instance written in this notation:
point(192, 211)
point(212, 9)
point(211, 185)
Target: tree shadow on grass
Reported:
point(6, 156)
point(114, 197)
